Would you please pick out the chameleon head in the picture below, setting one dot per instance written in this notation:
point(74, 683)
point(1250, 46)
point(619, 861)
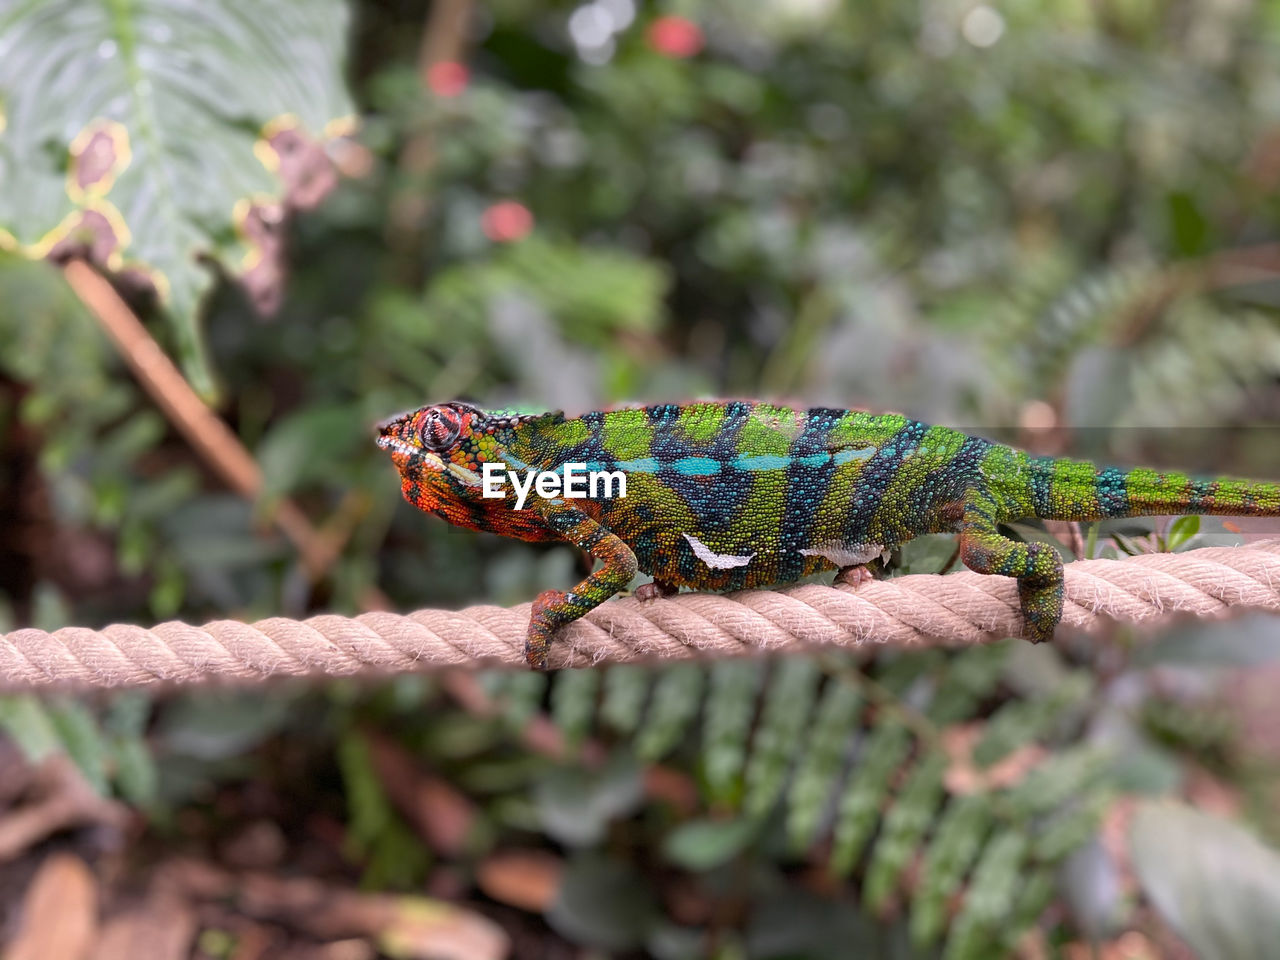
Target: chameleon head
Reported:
point(440, 451)
point(433, 448)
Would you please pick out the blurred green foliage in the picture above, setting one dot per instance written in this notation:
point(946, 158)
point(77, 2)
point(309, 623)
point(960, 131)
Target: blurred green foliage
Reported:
point(904, 206)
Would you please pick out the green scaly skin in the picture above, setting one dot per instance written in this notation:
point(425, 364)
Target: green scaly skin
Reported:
point(736, 494)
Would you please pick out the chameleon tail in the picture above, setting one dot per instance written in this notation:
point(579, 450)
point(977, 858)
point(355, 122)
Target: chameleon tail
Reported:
point(1076, 490)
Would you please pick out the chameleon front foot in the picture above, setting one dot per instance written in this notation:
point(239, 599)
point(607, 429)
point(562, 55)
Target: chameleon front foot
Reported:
point(549, 611)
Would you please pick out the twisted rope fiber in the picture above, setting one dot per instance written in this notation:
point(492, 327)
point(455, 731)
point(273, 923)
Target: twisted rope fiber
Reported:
point(962, 607)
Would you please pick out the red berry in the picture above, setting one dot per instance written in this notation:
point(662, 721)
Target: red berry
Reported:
point(506, 221)
point(675, 37)
point(448, 78)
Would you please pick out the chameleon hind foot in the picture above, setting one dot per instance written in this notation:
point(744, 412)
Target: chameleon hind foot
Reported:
point(1041, 606)
point(855, 575)
point(1036, 566)
point(655, 590)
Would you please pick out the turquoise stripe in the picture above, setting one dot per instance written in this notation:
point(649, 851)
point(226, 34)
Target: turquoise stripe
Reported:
point(644, 465)
point(750, 461)
point(845, 456)
point(813, 460)
point(696, 466)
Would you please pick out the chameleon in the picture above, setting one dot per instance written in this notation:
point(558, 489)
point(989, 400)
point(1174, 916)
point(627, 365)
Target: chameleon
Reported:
point(728, 495)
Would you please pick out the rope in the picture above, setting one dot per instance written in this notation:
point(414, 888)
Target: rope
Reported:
point(962, 607)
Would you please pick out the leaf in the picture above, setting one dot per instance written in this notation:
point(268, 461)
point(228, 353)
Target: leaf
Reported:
point(603, 903)
point(212, 725)
point(82, 738)
point(303, 447)
point(905, 824)
point(707, 844)
point(148, 133)
point(576, 806)
point(1249, 640)
point(1190, 229)
point(1213, 881)
point(1182, 530)
point(24, 717)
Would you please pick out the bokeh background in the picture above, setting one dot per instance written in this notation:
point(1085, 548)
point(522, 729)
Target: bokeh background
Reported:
point(1054, 223)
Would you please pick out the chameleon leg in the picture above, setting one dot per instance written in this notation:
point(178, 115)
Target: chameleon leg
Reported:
point(1037, 566)
point(554, 608)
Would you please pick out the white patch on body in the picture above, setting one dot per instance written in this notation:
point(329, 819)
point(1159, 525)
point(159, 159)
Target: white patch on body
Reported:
point(847, 554)
point(716, 561)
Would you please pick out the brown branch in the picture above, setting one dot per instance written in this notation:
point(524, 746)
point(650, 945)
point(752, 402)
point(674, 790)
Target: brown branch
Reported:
point(211, 438)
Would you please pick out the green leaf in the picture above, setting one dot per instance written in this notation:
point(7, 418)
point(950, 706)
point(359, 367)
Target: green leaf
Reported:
point(24, 717)
point(576, 806)
point(393, 855)
point(81, 735)
point(1182, 530)
point(603, 903)
point(522, 697)
point(1190, 230)
point(1213, 881)
point(707, 844)
point(215, 724)
point(303, 447)
point(139, 126)
point(591, 292)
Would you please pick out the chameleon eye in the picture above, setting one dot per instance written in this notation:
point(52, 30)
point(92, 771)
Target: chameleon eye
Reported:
point(440, 430)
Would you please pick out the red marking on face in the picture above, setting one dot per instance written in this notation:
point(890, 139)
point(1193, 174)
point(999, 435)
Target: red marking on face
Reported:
point(424, 443)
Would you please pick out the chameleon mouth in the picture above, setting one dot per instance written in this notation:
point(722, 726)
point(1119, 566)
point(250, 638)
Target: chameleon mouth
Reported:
point(396, 445)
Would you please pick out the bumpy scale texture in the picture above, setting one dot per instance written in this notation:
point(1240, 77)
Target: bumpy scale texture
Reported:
point(728, 495)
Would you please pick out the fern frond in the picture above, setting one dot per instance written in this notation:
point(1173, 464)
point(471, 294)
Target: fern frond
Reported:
point(882, 753)
point(957, 840)
point(676, 697)
point(990, 898)
point(626, 688)
point(787, 702)
point(822, 763)
point(731, 705)
point(573, 702)
point(905, 825)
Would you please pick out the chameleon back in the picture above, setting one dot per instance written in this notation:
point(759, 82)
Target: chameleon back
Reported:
point(740, 494)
